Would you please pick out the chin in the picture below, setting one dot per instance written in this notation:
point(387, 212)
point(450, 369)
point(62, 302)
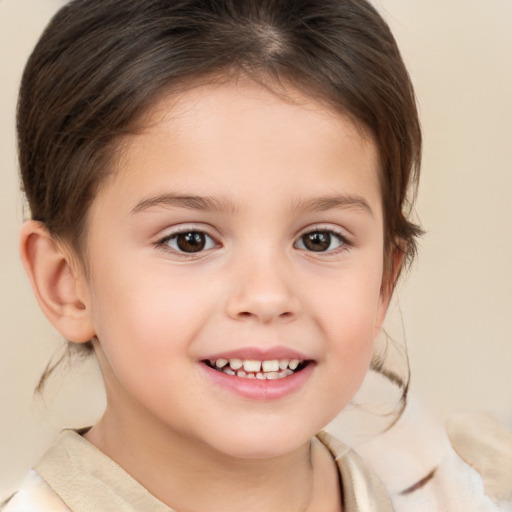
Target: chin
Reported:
point(262, 442)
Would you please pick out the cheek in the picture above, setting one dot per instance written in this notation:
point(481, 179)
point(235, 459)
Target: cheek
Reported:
point(145, 344)
point(350, 314)
point(351, 300)
point(140, 319)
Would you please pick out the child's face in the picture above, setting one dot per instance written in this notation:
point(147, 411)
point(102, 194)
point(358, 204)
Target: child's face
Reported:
point(238, 226)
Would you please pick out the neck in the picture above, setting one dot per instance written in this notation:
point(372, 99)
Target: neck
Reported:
point(189, 477)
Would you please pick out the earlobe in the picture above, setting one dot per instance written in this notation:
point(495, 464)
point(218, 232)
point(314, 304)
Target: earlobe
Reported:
point(55, 282)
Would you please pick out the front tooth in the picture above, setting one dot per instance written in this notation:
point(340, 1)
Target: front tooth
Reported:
point(220, 363)
point(283, 363)
point(270, 366)
point(250, 365)
point(293, 364)
point(260, 376)
point(236, 364)
point(273, 376)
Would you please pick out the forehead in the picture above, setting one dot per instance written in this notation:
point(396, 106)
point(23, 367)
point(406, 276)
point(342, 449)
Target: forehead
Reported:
point(230, 98)
point(239, 130)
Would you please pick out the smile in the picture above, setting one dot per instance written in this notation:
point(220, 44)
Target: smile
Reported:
point(273, 369)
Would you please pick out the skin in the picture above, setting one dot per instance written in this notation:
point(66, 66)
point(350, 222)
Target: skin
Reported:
point(273, 170)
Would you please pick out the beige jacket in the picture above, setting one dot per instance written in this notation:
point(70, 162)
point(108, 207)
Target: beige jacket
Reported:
point(74, 476)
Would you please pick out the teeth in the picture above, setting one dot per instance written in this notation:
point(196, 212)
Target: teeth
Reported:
point(270, 366)
point(293, 364)
point(252, 369)
point(283, 363)
point(250, 365)
point(258, 375)
point(236, 364)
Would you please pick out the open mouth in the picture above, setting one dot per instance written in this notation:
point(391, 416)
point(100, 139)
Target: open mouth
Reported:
point(253, 369)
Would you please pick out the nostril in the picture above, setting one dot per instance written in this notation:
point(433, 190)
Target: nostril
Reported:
point(286, 314)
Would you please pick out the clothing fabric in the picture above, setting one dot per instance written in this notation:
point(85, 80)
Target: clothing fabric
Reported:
point(426, 466)
point(75, 476)
point(486, 445)
point(414, 468)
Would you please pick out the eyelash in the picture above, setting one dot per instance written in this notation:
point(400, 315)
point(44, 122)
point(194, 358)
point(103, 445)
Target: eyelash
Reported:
point(164, 243)
point(344, 242)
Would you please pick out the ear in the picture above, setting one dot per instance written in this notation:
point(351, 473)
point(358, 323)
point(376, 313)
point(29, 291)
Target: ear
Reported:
point(59, 286)
point(392, 269)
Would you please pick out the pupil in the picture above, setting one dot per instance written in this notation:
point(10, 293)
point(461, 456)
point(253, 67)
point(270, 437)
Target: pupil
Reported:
point(191, 242)
point(317, 241)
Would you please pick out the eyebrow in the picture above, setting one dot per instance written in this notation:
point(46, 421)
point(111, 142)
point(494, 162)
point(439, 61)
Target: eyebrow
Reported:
point(224, 205)
point(205, 203)
point(319, 204)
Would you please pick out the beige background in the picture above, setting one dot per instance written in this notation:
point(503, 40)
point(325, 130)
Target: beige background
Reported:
point(456, 304)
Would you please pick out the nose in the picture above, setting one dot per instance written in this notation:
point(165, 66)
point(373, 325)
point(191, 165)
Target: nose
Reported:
point(263, 292)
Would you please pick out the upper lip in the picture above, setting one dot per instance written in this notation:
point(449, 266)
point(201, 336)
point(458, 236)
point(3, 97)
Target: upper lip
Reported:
point(259, 354)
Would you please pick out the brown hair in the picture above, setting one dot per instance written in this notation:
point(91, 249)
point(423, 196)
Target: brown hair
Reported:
point(100, 64)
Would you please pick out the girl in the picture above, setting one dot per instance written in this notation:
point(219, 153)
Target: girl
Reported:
point(219, 194)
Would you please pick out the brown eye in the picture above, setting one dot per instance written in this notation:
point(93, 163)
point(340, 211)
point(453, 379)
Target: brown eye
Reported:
point(320, 241)
point(190, 242)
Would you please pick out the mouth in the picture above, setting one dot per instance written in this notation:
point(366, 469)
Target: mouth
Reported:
point(273, 369)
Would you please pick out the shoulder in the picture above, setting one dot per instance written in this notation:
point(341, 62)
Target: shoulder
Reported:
point(426, 467)
point(485, 445)
point(359, 484)
point(34, 495)
point(73, 475)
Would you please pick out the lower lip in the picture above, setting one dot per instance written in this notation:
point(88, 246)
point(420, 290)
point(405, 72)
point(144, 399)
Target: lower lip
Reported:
point(262, 390)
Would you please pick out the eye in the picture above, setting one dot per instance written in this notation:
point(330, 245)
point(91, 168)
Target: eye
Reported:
point(189, 242)
point(321, 241)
